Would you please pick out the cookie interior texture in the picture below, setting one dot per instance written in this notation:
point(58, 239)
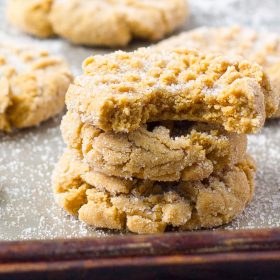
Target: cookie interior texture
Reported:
point(120, 91)
point(144, 206)
point(33, 86)
point(98, 22)
point(262, 47)
point(167, 151)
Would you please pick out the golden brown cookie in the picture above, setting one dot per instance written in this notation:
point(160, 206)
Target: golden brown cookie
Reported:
point(147, 206)
point(33, 85)
point(261, 47)
point(161, 152)
point(98, 22)
point(31, 16)
point(121, 91)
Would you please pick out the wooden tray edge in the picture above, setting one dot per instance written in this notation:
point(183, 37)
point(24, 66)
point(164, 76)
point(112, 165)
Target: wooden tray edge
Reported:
point(192, 254)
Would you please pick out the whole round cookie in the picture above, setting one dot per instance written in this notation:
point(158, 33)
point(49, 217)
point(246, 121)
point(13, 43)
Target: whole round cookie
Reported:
point(33, 85)
point(262, 47)
point(147, 206)
point(99, 22)
point(169, 151)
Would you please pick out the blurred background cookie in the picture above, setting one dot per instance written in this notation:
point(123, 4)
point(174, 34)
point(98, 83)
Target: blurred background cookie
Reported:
point(109, 23)
point(33, 85)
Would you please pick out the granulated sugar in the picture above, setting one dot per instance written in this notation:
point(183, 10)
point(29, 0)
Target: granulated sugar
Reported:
point(27, 158)
point(27, 208)
point(264, 211)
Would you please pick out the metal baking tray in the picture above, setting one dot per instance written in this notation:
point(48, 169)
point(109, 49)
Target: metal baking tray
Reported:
point(27, 158)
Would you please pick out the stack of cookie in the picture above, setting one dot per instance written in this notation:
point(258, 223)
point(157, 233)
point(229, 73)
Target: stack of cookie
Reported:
point(157, 139)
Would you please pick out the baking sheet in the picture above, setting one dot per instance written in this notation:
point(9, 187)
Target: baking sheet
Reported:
point(27, 158)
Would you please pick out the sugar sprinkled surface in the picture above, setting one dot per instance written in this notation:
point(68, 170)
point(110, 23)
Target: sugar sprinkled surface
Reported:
point(27, 208)
point(27, 158)
point(264, 211)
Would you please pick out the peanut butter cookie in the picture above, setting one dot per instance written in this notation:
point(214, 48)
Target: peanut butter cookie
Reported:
point(147, 206)
point(261, 47)
point(169, 151)
point(99, 22)
point(121, 91)
point(33, 86)
point(31, 16)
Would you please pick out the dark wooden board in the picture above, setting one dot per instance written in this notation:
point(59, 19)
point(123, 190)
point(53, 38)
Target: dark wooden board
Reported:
point(246, 254)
